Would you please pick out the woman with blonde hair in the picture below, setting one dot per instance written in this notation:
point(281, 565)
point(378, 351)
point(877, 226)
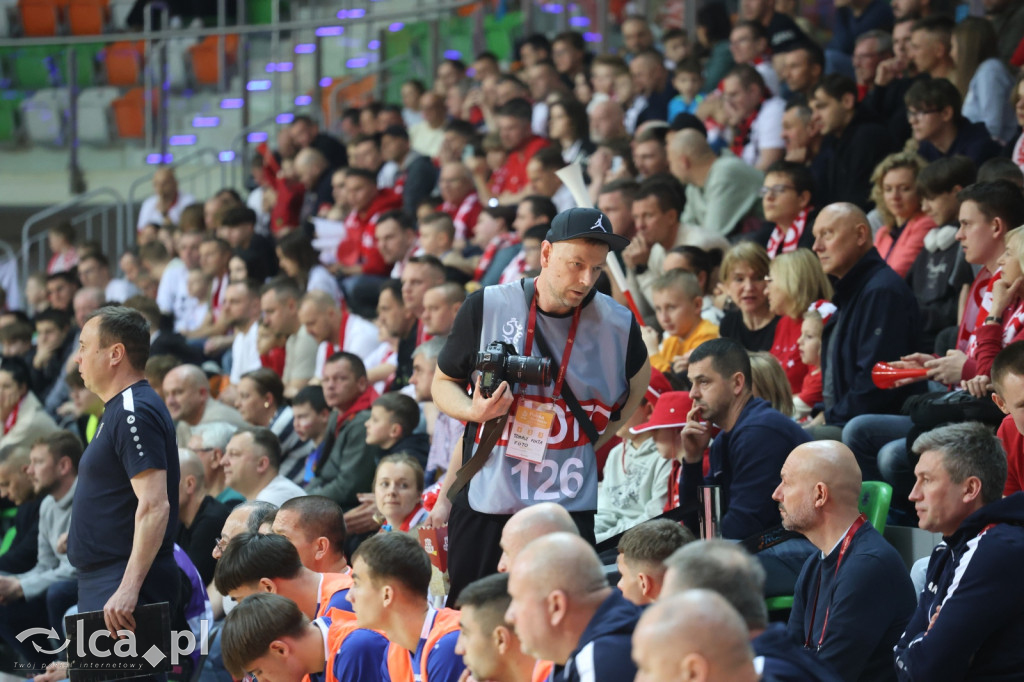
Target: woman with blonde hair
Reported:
point(795, 281)
point(904, 224)
point(768, 381)
point(982, 78)
point(743, 271)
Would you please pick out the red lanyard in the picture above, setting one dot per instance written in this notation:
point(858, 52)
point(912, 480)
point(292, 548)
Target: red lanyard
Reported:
point(12, 418)
point(861, 520)
point(341, 328)
point(531, 326)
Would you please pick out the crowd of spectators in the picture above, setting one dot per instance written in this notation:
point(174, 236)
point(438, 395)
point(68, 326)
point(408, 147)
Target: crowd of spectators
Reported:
point(791, 205)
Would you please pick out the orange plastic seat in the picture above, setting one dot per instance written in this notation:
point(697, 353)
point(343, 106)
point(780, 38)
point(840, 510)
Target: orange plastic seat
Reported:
point(123, 63)
point(39, 18)
point(354, 94)
point(130, 113)
point(204, 58)
point(86, 17)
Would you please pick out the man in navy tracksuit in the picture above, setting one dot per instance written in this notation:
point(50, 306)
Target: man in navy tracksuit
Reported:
point(746, 455)
point(967, 624)
point(564, 611)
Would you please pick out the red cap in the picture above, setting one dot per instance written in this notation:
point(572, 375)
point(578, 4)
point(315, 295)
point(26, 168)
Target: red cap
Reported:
point(669, 413)
point(659, 384)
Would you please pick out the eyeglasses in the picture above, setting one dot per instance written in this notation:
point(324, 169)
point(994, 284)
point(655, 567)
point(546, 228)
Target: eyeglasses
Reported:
point(775, 190)
point(911, 114)
point(222, 543)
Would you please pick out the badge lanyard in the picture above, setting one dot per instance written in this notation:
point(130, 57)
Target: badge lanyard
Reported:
point(530, 328)
point(842, 552)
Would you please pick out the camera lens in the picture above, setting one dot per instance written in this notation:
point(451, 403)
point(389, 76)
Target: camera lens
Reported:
point(527, 370)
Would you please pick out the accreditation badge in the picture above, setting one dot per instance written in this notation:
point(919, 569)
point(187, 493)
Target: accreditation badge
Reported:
point(528, 437)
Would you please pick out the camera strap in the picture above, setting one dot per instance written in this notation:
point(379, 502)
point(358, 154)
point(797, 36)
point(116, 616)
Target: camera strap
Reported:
point(566, 392)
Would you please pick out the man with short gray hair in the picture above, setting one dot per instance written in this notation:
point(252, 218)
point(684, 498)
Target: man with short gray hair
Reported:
point(967, 624)
point(208, 441)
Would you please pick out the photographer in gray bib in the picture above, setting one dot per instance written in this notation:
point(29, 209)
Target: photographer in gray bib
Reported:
point(533, 427)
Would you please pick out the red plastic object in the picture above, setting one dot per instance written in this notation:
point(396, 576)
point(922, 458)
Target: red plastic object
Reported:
point(885, 375)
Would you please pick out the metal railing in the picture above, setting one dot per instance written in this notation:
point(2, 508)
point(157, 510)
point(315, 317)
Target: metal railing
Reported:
point(91, 218)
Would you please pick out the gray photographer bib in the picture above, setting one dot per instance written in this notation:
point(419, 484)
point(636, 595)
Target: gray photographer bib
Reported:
point(596, 373)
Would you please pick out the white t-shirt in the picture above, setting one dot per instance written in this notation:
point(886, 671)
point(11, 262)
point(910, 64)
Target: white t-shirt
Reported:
point(119, 290)
point(771, 79)
point(766, 130)
point(362, 338)
point(245, 354)
point(539, 119)
point(173, 284)
point(149, 213)
point(320, 279)
point(426, 140)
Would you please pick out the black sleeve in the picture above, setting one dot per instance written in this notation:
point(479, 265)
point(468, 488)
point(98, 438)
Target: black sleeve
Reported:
point(23, 553)
point(205, 533)
point(636, 350)
point(419, 184)
point(458, 357)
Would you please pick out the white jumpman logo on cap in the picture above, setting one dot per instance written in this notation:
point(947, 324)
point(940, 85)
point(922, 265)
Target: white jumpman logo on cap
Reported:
point(598, 225)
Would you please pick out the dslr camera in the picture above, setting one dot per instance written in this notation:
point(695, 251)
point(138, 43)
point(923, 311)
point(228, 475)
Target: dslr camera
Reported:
point(500, 362)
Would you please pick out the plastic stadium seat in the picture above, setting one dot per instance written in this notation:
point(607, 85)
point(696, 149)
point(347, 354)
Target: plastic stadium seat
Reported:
point(94, 114)
point(129, 114)
point(123, 61)
point(875, 498)
point(39, 18)
point(86, 62)
point(87, 17)
point(33, 68)
point(43, 114)
point(204, 58)
point(354, 94)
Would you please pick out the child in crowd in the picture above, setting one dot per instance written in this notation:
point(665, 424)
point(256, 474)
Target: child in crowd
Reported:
point(643, 550)
point(16, 339)
point(397, 491)
point(604, 71)
point(199, 287)
point(677, 303)
point(531, 247)
point(437, 235)
point(634, 488)
point(61, 240)
point(677, 49)
point(667, 421)
point(35, 293)
point(393, 419)
point(810, 354)
point(687, 80)
point(768, 381)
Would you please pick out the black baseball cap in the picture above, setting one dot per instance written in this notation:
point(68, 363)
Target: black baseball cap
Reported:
point(585, 223)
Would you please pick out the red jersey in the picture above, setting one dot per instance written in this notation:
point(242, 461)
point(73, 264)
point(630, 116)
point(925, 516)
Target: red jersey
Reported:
point(1013, 443)
point(786, 351)
point(464, 215)
point(511, 177)
point(360, 243)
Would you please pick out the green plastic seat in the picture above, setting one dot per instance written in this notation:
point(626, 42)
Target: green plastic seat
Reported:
point(85, 61)
point(875, 497)
point(31, 68)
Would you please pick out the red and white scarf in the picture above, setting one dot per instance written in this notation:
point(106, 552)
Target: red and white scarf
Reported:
point(12, 418)
point(497, 244)
point(1013, 326)
point(791, 238)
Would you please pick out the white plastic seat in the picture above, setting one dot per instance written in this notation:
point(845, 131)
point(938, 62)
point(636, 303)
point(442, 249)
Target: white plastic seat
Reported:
point(94, 107)
point(44, 114)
